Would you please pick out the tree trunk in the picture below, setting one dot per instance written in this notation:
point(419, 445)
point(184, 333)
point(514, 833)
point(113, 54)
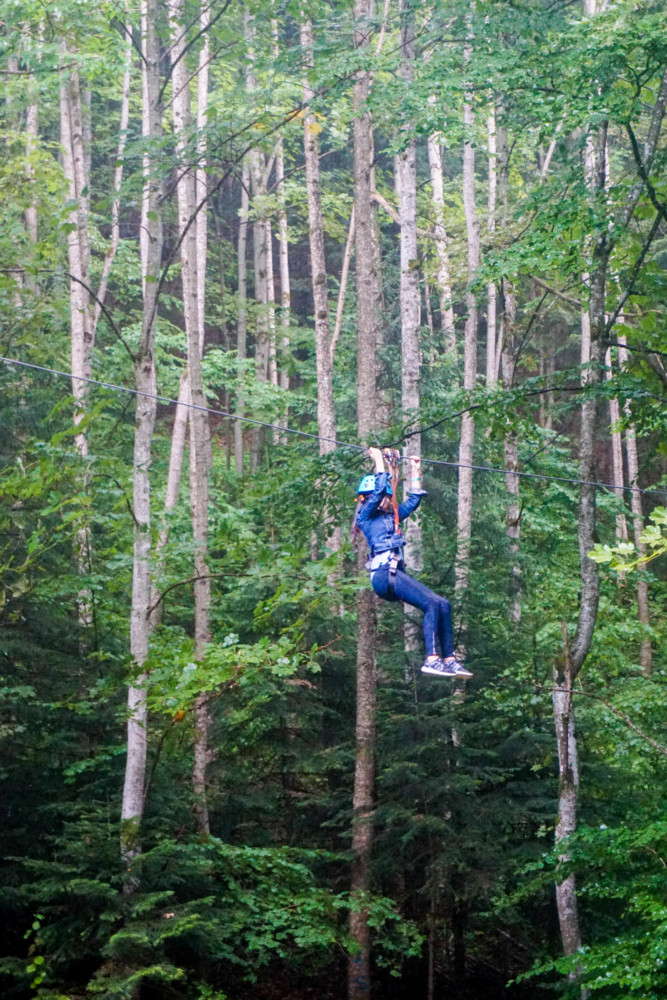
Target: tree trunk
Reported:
point(326, 423)
point(508, 351)
point(326, 416)
point(193, 314)
point(359, 969)
point(491, 297)
point(406, 163)
point(201, 187)
point(342, 288)
point(117, 181)
point(285, 293)
point(241, 328)
point(363, 801)
point(464, 508)
point(81, 316)
point(382, 415)
point(617, 476)
point(366, 278)
point(32, 145)
point(260, 260)
point(568, 792)
point(261, 239)
point(645, 652)
point(593, 330)
point(151, 244)
point(443, 279)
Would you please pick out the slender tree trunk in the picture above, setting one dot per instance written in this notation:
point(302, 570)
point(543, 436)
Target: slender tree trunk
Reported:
point(326, 417)
point(261, 245)
point(32, 145)
point(151, 247)
point(406, 163)
point(464, 508)
point(193, 314)
point(568, 793)
point(342, 288)
point(443, 279)
point(491, 365)
point(366, 279)
point(241, 329)
point(283, 347)
point(363, 800)
point(382, 415)
point(182, 414)
point(117, 181)
point(285, 292)
point(616, 453)
point(201, 223)
point(645, 653)
point(508, 351)
point(201, 187)
point(359, 970)
point(202, 753)
point(593, 329)
point(326, 422)
point(81, 316)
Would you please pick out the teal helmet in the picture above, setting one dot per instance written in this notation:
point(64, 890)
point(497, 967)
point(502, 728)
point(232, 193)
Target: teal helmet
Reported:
point(367, 485)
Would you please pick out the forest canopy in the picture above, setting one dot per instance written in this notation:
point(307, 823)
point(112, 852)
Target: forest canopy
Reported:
point(240, 246)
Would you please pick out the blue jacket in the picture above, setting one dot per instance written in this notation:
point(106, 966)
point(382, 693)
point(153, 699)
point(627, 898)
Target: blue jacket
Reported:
point(378, 527)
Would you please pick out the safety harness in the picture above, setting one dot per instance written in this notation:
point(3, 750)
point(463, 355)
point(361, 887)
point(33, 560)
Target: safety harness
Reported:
point(392, 457)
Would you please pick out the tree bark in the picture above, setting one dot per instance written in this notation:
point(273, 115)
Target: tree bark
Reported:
point(285, 292)
point(261, 238)
point(645, 652)
point(592, 333)
point(151, 244)
point(616, 453)
point(241, 329)
point(443, 278)
point(193, 311)
point(568, 791)
point(342, 288)
point(359, 969)
point(117, 181)
point(491, 292)
point(464, 507)
point(283, 348)
point(366, 278)
point(32, 145)
point(81, 316)
point(406, 163)
point(326, 416)
point(325, 406)
point(508, 351)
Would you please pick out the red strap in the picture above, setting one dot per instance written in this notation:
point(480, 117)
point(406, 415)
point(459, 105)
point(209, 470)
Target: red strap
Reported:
point(392, 457)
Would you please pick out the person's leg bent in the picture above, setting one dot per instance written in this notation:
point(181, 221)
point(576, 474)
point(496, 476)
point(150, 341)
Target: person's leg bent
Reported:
point(413, 592)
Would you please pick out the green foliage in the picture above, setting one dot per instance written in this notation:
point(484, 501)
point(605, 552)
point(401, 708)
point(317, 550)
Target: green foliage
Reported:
point(624, 558)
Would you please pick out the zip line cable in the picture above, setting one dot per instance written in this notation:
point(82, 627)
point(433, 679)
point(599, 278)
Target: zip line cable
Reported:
point(318, 437)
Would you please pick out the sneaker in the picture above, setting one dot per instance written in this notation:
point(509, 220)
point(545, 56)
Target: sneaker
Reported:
point(456, 668)
point(439, 668)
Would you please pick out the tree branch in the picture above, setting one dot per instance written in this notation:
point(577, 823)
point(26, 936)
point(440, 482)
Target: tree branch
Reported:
point(633, 276)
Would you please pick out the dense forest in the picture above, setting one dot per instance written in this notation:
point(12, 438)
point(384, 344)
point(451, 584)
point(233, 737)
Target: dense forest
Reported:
point(240, 245)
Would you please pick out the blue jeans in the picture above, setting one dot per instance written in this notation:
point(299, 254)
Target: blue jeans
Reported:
point(437, 610)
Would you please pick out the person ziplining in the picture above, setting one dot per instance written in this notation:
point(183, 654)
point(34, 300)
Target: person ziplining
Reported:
point(378, 517)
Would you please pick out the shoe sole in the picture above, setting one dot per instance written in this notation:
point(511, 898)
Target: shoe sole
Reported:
point(437, 673)
point(464, 673)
